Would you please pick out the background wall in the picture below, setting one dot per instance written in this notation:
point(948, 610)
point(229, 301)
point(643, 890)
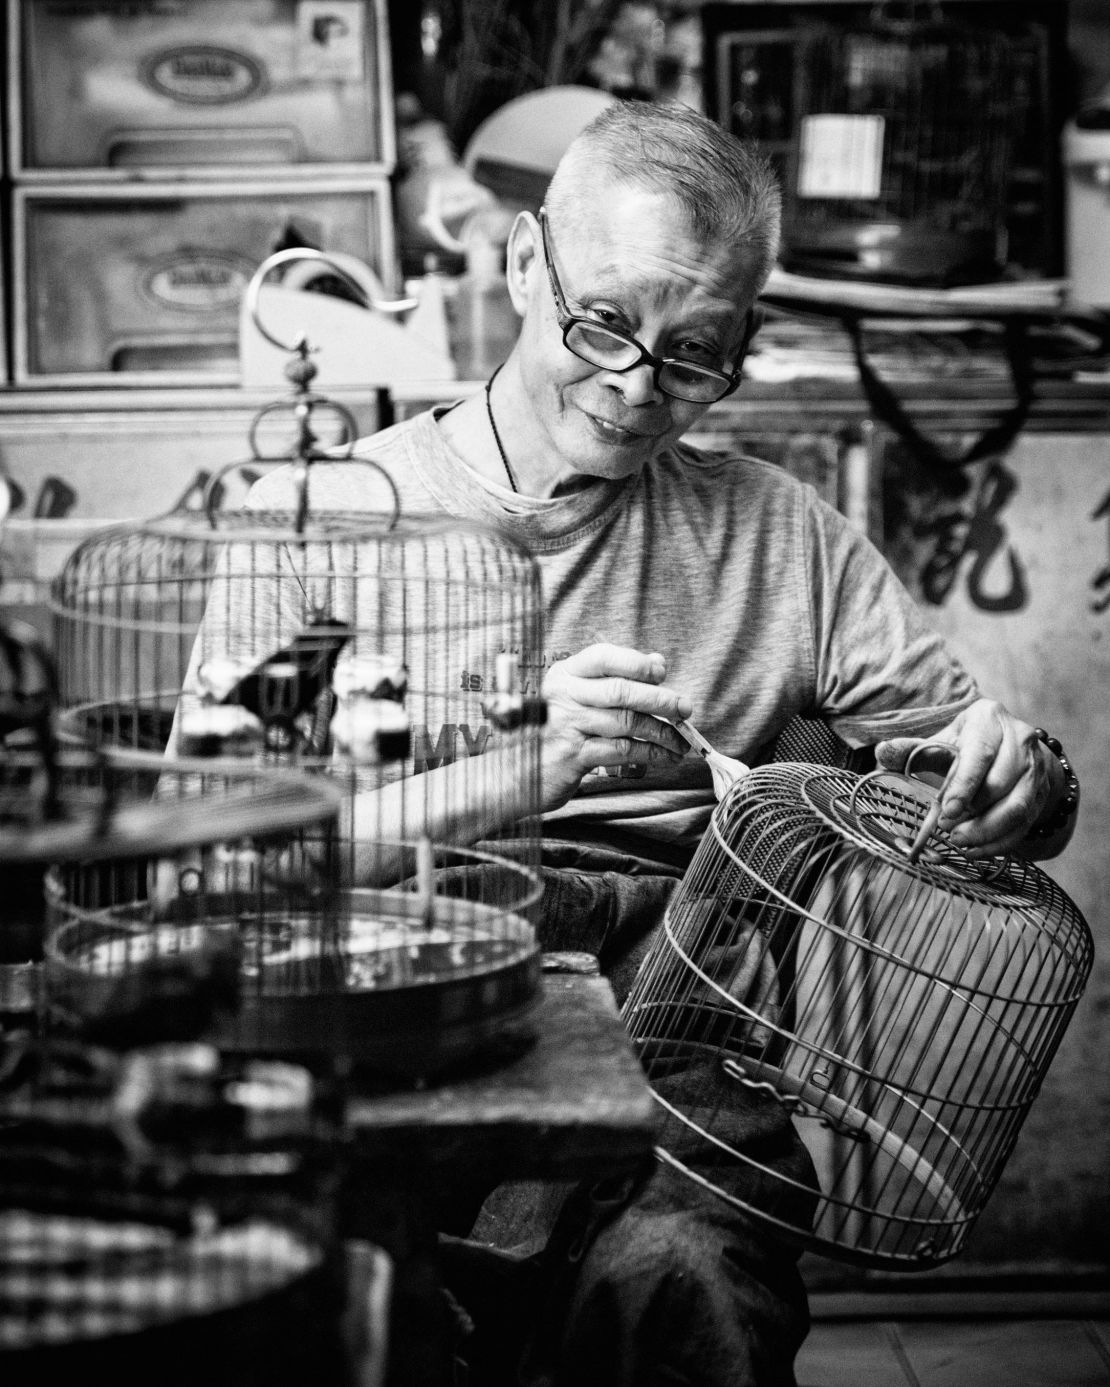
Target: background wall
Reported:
point(1021, 598)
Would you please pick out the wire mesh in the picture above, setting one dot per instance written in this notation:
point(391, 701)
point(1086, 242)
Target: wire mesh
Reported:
point(389, 658)
point(403, 982)
point(395, 650)
point(419, 613)
point(904, 147)
point(903, 1014)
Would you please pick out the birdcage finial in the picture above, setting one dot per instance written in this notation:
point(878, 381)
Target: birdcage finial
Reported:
point(304, 404)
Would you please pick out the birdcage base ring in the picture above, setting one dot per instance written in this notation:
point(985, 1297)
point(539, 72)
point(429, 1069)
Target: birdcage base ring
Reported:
point(924, 1227)
point(404, 985)
point(925, 1256)
point(412, 1034)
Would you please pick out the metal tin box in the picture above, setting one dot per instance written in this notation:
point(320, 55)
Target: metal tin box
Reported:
point(119, 89)
point(142, 284)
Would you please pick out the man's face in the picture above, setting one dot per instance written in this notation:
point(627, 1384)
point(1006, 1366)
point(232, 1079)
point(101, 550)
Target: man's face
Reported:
point(628, 261)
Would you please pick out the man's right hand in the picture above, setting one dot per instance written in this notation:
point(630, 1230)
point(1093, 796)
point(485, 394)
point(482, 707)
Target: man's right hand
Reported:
point(607, 705)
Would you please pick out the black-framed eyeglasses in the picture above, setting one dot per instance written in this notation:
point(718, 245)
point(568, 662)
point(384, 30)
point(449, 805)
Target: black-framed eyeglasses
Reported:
point(615, 350)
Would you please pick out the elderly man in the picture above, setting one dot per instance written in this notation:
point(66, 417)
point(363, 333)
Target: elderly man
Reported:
point(676, 584)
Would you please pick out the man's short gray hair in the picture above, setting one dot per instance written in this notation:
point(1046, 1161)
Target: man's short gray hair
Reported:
point(727, 189)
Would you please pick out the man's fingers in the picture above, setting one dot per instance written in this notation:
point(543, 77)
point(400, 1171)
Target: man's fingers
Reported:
point(624, 725)
point(616, 677)
point(651, 700)
point(598, 661)
point(999, 781)
point(620, 751)
point(891, 755)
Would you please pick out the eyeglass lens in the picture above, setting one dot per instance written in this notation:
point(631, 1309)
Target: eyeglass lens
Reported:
point(602, 347)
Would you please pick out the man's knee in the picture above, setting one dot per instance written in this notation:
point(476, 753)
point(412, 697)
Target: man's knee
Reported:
point(671, 1296)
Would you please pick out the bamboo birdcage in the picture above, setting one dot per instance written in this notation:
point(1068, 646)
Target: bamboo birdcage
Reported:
point(904, 1013)
point(388, 654)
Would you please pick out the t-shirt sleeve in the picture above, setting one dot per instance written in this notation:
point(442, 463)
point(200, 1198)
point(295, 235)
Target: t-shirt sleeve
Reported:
point(881, 669)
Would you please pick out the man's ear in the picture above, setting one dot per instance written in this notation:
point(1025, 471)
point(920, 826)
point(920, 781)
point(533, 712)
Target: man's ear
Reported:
point(521, 254)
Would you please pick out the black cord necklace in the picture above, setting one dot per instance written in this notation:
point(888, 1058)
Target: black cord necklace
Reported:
point(497, 436)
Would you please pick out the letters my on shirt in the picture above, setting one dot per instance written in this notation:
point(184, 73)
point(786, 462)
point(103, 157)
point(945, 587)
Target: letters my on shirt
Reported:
point(428, 756)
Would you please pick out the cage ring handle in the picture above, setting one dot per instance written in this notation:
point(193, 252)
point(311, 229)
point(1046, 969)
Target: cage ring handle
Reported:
point(346, 268)
point(928, 824)
point(906, 773)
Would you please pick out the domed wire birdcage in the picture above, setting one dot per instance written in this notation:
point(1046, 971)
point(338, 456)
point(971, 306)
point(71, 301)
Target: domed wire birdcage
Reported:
point(902, 1008)
point(389, 654)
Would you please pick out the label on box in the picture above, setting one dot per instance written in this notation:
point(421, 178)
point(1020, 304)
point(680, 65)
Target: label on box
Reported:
point(331, 39)
point(841, 156)
point(197, 281)
point(202, 75)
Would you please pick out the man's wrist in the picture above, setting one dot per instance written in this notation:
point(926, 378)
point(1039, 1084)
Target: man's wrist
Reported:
point(1060, 812)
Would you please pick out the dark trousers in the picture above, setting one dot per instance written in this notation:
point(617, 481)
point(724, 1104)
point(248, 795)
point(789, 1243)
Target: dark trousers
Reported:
point(645, 1281)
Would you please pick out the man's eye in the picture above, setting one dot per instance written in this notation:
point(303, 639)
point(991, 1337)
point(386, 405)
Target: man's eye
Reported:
point(690, 350)
point(608, 317)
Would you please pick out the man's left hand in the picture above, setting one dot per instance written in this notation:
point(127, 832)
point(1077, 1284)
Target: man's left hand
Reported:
point(1003, 779)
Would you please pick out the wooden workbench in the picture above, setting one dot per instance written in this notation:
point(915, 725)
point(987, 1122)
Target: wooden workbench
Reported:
point(570, 1099)
point(564, 1099)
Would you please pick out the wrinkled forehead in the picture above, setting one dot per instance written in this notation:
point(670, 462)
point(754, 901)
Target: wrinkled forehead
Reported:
point(608, 224)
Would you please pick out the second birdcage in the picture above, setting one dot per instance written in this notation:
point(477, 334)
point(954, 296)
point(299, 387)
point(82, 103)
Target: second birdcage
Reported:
point(389, 656)
point(166, 1212)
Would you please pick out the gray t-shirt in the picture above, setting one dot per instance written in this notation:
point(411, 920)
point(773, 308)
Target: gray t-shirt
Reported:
point(764, 600)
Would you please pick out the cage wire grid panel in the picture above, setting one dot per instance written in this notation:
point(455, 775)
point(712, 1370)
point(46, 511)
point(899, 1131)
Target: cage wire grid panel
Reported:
point(391, 656)
point(903, 1014)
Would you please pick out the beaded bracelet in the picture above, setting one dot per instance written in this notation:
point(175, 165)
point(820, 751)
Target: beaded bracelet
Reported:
point(1068, 801)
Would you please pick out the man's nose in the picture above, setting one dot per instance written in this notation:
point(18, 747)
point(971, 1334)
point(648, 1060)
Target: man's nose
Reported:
point(637, 384)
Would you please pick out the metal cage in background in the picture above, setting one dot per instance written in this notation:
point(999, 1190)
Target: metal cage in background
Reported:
point(901, 162)
point(902, 1012)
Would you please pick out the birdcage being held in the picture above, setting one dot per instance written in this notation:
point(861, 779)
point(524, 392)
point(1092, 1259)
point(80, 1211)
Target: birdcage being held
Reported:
point(389, 655)
point(901, 1007)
